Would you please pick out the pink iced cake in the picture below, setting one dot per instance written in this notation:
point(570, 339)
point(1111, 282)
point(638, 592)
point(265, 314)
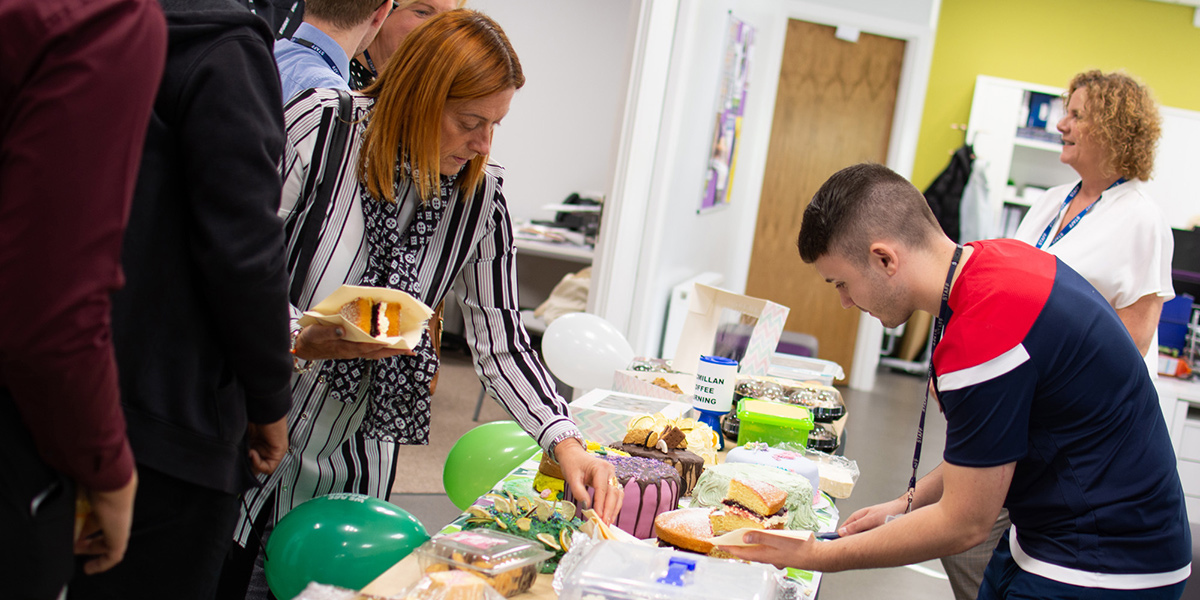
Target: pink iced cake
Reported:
point(762, 454)
point(651, 488)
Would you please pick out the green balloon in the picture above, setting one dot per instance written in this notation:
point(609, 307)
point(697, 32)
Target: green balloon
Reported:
point(482, 457)
point(345, 540)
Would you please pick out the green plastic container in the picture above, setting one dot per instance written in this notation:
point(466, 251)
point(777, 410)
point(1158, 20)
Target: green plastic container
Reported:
point(773, 422)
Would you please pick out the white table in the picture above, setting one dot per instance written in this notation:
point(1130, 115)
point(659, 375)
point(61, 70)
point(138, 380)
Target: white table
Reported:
point(541, 265)
point(558, 251)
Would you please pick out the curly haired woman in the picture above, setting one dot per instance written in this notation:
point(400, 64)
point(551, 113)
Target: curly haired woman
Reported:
point(1106, 226)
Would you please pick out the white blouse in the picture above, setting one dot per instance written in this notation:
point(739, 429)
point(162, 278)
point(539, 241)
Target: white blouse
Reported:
point(1123, 246)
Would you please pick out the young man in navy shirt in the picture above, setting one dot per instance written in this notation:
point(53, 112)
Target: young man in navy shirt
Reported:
point(1050, 410)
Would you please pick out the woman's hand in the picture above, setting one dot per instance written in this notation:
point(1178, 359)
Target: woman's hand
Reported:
point(582, 470)
point(781, 551)
point(319, 341)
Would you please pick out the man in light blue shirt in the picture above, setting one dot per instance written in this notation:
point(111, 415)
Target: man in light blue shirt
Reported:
point(318, 54)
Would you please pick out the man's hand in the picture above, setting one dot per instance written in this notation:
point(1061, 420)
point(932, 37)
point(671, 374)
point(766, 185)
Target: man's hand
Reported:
point(581, 470)
point(105, 533)
point(781, 551)
point(319, 341)
point(268, 445)
point(866, 519)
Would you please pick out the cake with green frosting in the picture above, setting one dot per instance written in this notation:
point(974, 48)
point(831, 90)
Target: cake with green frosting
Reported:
point(711, 489)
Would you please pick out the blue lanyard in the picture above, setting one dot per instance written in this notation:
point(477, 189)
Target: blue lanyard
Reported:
point(370, 64)
point(1078, 217)
point(320, 52)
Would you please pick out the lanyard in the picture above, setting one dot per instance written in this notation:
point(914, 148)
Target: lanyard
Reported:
point(320, 52)
point(370, 64)
point(1078, 217)
point(938, 325)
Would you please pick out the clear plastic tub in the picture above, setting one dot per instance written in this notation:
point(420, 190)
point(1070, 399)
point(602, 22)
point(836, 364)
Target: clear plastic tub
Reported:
point(508, 563)
point(804, 368)
point(838, 473)
point(621, 571)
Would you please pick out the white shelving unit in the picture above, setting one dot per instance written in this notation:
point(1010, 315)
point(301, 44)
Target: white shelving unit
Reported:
point(997, 111)
point(1037, 145)
point(1180, 402)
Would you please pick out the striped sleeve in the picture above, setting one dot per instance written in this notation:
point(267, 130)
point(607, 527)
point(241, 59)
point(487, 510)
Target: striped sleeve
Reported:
point(303, 118)
point(504, 356)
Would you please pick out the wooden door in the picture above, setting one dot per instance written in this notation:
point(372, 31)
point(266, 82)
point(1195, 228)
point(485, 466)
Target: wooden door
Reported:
point(834, 108)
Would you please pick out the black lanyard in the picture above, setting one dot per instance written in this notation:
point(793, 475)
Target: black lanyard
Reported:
point(1078, 217)
point(938, 325)
point(320, 52)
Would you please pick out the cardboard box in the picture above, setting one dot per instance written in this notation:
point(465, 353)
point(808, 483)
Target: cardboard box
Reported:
point(706, 306)
point(602, 415)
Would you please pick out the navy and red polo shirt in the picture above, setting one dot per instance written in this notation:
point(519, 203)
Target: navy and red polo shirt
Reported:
point(1036, 368)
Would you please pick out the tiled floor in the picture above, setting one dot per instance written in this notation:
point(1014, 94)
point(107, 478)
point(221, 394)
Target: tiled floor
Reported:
point(879, 435)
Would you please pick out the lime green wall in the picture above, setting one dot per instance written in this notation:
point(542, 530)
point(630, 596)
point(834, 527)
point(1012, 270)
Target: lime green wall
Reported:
point(1046, 42)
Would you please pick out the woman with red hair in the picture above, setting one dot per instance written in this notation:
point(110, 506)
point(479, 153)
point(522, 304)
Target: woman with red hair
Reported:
point(418, 207)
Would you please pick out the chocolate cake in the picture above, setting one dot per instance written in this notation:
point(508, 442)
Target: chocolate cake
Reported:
point(688, 464)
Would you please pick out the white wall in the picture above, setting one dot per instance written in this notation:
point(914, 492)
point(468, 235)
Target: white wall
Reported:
point(1173, 185)
point(676, 242)
point(679, 242)
point(620, 99)
point(560, 136)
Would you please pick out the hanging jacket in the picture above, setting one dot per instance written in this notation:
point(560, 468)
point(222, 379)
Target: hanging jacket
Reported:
point(945, 193)
point(977, 215)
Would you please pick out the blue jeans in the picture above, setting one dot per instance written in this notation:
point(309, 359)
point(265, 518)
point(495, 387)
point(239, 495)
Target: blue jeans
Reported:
point(1003, 579)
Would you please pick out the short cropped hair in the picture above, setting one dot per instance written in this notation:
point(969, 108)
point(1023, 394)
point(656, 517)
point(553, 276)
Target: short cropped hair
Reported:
point(860, 205)
point(1123, 118)
point(345, 14)
point(457, 55)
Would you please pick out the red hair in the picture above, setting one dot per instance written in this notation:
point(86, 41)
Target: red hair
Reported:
point(457, 55)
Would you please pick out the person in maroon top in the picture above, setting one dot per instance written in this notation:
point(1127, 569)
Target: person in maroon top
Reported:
point(77, 81)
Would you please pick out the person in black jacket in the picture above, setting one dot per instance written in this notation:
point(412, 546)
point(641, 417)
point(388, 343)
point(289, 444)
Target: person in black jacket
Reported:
point(282, 16)
point(201, 327)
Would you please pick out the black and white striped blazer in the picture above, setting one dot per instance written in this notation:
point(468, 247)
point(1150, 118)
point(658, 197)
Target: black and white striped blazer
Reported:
point(472, 252)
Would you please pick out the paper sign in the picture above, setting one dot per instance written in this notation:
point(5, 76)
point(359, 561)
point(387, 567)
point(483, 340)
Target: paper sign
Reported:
point(413, 315)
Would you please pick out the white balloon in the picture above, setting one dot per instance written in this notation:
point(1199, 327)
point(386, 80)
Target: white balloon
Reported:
point(584, 350)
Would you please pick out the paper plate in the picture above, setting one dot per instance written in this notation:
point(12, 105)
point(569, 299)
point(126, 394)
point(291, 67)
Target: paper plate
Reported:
point(734, 538)
point(413, 315)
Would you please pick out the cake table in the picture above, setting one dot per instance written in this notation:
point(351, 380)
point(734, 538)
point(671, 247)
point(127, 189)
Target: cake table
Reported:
point(520, 482)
